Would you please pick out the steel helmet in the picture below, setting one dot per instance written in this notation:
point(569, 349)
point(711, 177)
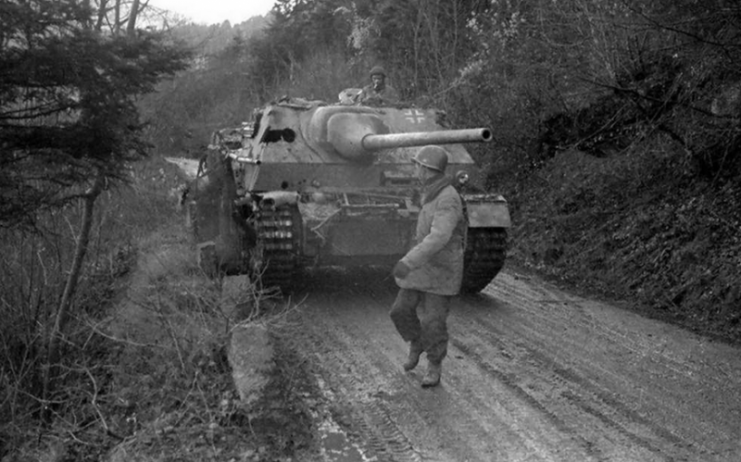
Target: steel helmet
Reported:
point(432, 157)
point(377, 70)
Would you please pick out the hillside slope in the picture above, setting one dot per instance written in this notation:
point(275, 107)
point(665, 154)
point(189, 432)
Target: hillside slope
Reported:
point(635, 226)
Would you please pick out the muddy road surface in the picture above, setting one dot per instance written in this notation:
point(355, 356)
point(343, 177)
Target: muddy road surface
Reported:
point(533, 374)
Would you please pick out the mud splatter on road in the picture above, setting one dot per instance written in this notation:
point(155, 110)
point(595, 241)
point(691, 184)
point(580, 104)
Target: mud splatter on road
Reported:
point(533, 374)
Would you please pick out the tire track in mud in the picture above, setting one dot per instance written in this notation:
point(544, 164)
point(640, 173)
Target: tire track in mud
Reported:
point(659, 418)
point(548, 370)
point(533, 378)
point(532, 375)
point(510, 381)
point(577, 315)
point(417, 408)
point(538, 326)
point(369, 422)
point(381, 385)
point(589, 450)
point(565, 409)
point(474, 427)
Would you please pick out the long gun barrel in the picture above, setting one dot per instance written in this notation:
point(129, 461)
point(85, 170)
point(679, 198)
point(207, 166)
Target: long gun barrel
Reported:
point(396, 140)
point(357, 135)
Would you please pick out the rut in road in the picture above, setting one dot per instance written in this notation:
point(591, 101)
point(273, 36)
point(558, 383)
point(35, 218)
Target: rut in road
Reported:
point(532, 374)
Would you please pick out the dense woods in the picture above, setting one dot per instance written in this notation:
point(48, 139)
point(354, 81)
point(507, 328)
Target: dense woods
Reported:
point(616, 123)
point(617, 140)
point(547, 76)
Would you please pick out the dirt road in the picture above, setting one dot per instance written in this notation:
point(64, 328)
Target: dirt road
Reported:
point(533, 374)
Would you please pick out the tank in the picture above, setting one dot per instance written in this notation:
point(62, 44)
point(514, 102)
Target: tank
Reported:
point(309, 184)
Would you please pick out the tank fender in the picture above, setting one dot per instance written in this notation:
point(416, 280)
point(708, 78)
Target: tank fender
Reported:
point(487, 211)
point(278, 198)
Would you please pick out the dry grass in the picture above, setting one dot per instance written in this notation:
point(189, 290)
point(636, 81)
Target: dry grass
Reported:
point(174, 376)
point(144, 374)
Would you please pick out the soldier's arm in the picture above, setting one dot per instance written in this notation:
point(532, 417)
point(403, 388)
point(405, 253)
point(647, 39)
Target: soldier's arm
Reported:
point(362, 95)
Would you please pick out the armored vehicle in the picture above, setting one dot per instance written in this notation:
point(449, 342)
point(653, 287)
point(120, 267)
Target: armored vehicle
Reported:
point(309, 184)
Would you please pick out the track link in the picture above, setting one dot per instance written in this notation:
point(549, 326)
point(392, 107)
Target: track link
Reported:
point(278, 246)
point(484, 257)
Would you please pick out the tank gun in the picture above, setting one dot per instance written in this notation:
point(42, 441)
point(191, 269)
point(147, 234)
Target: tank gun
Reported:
point(356, 135)
point(400, 140)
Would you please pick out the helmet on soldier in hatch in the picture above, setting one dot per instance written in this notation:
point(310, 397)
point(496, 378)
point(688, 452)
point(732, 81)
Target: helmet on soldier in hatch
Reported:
point(432, 157)
point(377, 70)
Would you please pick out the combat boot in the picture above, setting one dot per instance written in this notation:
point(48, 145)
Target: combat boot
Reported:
point(415, 350)
point(432, 377)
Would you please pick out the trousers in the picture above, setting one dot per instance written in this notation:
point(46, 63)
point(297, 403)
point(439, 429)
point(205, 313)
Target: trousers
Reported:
point(421, 318)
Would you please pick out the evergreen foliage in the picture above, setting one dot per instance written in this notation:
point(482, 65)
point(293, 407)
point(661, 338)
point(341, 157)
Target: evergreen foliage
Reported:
point(67, 112)
point(70, 75)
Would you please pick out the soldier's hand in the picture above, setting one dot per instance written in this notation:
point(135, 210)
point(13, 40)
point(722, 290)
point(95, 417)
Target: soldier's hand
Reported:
point(401, 270)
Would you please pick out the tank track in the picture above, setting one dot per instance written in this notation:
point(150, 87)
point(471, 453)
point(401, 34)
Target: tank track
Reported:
point(278, 247)
point(484, 257)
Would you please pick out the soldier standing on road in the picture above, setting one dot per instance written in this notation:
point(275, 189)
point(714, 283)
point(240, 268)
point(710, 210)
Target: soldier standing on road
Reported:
point(430, 274)
point(377, 92)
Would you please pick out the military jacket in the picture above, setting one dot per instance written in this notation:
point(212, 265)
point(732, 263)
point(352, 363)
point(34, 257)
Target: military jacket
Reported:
point(436, 260)
point(387, 95)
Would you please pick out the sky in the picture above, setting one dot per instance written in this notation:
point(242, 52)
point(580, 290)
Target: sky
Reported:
point(216, 11)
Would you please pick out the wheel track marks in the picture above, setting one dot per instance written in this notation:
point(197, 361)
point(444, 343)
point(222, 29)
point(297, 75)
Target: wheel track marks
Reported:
point(369, 420)
point(415, 408)
point(546, 369)
point(646, 367)
point(510, 381)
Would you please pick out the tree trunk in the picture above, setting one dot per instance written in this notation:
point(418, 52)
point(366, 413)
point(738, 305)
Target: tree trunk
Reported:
point(131, 26)
point(53, 350)
point(117, 18)
point(102, 12)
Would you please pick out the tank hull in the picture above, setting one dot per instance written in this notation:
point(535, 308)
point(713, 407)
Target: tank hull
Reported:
point(308, 184)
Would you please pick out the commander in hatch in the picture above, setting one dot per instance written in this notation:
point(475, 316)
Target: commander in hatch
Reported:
point(378, 93)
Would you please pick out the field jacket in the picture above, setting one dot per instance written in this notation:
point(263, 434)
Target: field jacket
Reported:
point(436, 260)
point(387, 95)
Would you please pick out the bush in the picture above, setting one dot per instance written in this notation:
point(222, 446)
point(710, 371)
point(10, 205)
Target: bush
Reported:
point(33, 271)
